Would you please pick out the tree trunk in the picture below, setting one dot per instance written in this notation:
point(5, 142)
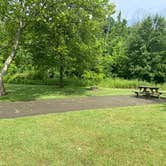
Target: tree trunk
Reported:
point(61, 78)
point(61, 71)
point(9, 59)
point(2, 89)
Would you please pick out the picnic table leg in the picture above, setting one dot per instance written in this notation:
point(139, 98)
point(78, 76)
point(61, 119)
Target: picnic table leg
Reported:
point(137, 94)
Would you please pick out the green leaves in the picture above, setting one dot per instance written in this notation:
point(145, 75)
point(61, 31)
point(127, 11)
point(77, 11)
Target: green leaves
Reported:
point(146, 47)
point(80, 38)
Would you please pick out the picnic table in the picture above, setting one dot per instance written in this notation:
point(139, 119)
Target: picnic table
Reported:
point(148, 91)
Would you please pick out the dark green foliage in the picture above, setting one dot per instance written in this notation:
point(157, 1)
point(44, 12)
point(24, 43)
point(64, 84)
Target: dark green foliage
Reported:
point(80, 40)
point(146, 50)
point(159, 77)
point(115, 54)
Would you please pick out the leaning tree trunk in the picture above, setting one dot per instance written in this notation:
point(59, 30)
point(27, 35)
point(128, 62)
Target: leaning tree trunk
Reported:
point(9, 59)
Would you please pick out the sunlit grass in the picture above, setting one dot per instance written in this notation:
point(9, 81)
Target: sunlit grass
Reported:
point(35, 92)
point(23, 92)
point(121, 136)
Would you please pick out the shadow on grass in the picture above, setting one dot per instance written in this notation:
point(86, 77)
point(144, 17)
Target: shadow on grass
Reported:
point(20, 92)
point(33, 92)
point(156, 100)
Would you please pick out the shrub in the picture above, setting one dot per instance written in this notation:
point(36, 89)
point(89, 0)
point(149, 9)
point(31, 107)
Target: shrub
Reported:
point(159, 78)
point(93, 77)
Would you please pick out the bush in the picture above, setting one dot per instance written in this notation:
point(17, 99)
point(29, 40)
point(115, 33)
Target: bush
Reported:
point(92, 77)
point(159, 78)
point(36, 78)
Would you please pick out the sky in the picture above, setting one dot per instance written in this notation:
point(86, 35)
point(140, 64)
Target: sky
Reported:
point(135, 10)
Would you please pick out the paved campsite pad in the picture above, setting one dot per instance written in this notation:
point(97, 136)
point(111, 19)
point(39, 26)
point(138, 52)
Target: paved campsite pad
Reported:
point(20, 109)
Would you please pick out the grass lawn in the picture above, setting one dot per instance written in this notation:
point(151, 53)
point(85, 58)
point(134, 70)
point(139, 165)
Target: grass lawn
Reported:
point(119, 136)
point(18, 92)
point(35, 92)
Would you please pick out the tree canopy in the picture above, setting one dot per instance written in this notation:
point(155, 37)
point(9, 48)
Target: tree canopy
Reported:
point(80, 39)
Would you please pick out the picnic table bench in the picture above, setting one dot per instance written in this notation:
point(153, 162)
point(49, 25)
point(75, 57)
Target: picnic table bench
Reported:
point(148, 91)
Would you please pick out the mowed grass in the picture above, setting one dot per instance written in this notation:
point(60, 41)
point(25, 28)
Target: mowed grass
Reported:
point(18, 92)
point(120, 136)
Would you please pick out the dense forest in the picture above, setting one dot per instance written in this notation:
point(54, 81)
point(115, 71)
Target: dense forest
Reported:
point(65, 39)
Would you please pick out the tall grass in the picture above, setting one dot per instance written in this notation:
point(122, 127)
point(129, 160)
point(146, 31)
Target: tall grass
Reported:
point(122, 83)
point(75, 82)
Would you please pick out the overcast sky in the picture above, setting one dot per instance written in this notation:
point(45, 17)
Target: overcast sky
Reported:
point(136, 9)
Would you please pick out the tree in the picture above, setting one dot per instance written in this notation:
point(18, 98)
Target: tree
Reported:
point(15, 15)
point(71, 36)
point(146, 49)
point(8, 14)
point(115, 52)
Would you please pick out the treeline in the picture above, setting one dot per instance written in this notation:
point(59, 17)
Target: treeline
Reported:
point(42, 40)
point(138, 51)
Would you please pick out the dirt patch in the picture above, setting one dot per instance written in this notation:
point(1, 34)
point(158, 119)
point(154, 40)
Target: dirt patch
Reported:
point(20, 109)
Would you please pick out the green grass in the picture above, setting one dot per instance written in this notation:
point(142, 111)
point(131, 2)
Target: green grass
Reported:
point(20, 92)
point(35, 92)
point(122, 83)
point(120, 137)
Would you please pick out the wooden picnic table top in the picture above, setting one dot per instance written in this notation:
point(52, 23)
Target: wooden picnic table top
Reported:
point(148, 87)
